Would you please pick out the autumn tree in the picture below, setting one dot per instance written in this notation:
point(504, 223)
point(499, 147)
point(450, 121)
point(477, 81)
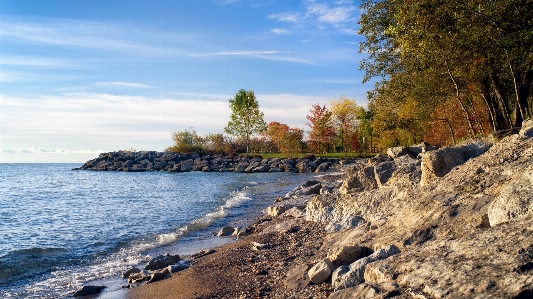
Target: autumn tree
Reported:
point(245, 119)
point(322, 131)
point(345, 112)
point(288, 140)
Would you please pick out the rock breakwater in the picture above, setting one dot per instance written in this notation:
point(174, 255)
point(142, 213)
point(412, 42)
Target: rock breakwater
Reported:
point(176, 162)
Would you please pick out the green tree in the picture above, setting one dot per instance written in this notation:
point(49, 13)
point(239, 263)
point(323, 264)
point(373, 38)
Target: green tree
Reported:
point(245, 119)
point(187, 142)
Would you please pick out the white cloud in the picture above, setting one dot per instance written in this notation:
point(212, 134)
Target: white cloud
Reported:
point(235, 53)
point(349, 31)
point(285, 17)
point(125, 84)
point(36, 150)
point(333, 15)
point(280, 31)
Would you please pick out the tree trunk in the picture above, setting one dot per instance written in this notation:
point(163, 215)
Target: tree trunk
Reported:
point(458, 95)
point(502, 103)
point(485, 92)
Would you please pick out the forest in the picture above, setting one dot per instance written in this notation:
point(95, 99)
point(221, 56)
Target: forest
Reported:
point(447, 70)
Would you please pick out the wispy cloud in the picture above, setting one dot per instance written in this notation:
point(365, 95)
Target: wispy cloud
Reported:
point(349, 31)
point(280, 31)
point(75, 33)
point(39, 150)
point(333, 15)
point(285, 17)
point(125, 84)
point(236, 53)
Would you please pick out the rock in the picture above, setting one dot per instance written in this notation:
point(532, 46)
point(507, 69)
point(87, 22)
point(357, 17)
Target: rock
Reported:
point(162, 261)
point(322, 167)
point(226, 231)
point(309, 188)
point(383, 172)
point(527, 129)
point(157, 275)
point(295, 212)
point(135, 277)
point(360, 178)
point(187, 165)
point(177, 268)
point(514, 202)
point(321, 271)
point(345, 255)
point(436, 164)
point(259, 246)
point(130, 271)
point(88, 290)
point(202, 253)
point(395, 152)
point(376, 273)
point(352, 275)
point(361, 291)
point(297, 277)
point(275, 211)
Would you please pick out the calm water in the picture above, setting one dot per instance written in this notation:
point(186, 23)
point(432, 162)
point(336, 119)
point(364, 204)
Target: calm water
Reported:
point(60, 229)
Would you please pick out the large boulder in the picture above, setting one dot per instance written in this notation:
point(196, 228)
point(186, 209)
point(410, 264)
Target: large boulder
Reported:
point(297, 277)
point(352, 275)
point(436, 164)
point(321, 271)
point(360, 178)
point(162, 261)
point(515, 200)
point(88, 290)
point(345, 255)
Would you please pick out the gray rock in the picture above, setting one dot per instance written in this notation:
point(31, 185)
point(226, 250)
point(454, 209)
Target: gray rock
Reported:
point(157, 275)
point(352, 275)
point(226, 231)
point(514, 202)
point(322, 167)
point(321, 271)
point(130, 271)
point(395, 152)
point(527, 129)
point(187, 165)
point(135, 277)
point(202, 253)
point(383, 172)
point(177, 268)
point(162, 261)
point(88, 290)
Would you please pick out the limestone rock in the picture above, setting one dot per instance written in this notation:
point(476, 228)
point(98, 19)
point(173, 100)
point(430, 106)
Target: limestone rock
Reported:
point(376, 273)
point(157, 275)
point(383, 172)
point(361, 291)
point(226, 231)
point(177, 268)
point(88, 290)
point(436, 164)
point(527, 129)
point(135, 277)
point(322, 167)
point(360, 178)
point(275, 211)
point(345, 255)
point(515, 200)
point(395, 152)
point(352, 275)
point(297, 277)
point(295, 212)
point(321, 271)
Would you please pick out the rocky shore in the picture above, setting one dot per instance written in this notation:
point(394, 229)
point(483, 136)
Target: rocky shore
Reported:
point(175, 162)
point(454, 222)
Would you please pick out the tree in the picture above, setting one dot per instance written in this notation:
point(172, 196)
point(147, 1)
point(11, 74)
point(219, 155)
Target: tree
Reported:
point(288, 140)
point(245, 119)
point(345, 112)
point(322, 130)
point(187, 142)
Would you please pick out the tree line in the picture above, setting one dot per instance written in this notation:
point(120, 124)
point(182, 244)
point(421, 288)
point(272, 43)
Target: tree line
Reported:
point(449, 69)
point(339, 128)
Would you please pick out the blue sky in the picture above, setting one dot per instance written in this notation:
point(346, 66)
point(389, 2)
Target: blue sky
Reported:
point(81, 77)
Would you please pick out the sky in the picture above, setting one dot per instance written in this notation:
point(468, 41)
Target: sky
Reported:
point(78, 78)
